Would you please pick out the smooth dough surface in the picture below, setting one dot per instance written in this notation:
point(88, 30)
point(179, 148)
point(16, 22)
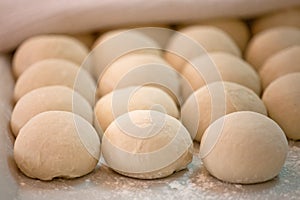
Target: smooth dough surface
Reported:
point(284, 62)
point(43, 47)
point(56, 72)
point(192, 41)
point(46, 99)
point(57, 144)
point(146, 144)
point(266, 43)
point(128, 99)
point(214, 101)
point(218, 66)
point(282, 99)
point(244, 147)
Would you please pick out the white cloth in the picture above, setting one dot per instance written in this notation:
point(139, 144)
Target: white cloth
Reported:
point(20, 19)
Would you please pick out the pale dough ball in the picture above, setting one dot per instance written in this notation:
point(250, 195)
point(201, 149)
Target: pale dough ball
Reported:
point(214, 101)
point(56, 72)
point(284, 62)
point(147, 144)
point(43, 47)
point(47, 99)
point(282, 99)
point(192, 41)
point(244, 147)
point(236, 28)
point(128, 99)
point(112, 45)
point(288, 17)
point(265, 44)
point(57, 144)
point(139, 69)
point(218, 66)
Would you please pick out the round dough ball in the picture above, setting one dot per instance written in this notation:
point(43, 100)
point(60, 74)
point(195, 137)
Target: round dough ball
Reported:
point(214, 101)
point(57, 144)
point(269, 42)
point(244, 147)
point(192, 41)
point(287, 17)
point(282, 99)
point(56, 72)
point(218, 66)
point(236, 28)
point(128, 99)
point(46, 99)
point(139, 69)
point(43, 47)
point(147, 144)
point(284, 62)
point(112, 45)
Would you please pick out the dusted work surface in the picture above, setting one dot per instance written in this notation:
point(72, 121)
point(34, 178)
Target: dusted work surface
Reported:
point(193, 183)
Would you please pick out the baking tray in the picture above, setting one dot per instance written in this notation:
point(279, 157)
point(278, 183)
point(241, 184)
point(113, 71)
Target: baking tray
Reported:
point(103, 183)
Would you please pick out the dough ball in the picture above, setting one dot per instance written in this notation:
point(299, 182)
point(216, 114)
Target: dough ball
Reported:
point(244, 147)
point(56, 72)
point(284, 62)
point(192, 41)
point(112, 45)
point(287, 17)
point(214, 101)
point(43, 47)
point(237, 29)
point(282, 99)
point(57, 144)
point(218, 66)
point(128, 99)
point(46, 99)
point(269, 42)
point(147, 145)
point(139, 69)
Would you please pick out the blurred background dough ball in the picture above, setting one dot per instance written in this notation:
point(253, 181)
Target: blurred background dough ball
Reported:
point(287, 17)
point(48, 46)
point(114, 44)
point(139, 69)
point(213, 101)
point(57, 144)
point(56, 72)
point(218, 66)
point(128, 99)
point(244, 147)
point(192, 41)
point(269, 42)
point(147, 144)
point(282, 99)
point(46, 99)
point(284, 62)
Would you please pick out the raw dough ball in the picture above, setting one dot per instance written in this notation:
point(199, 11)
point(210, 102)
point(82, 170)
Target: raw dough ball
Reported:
point(147, 144)
point(114, 44)
point(56, 72)
point(214, 101)
point(218, 66)
point(139, 69)
point(46, 99)
point(244, 147)
point(269, 42)
point(288, 17)
point(284, 62)
point(282, 99)
point(128, 99)
point(48, 46)
point(236, 28)
point(193, 41)
point(57, 144)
